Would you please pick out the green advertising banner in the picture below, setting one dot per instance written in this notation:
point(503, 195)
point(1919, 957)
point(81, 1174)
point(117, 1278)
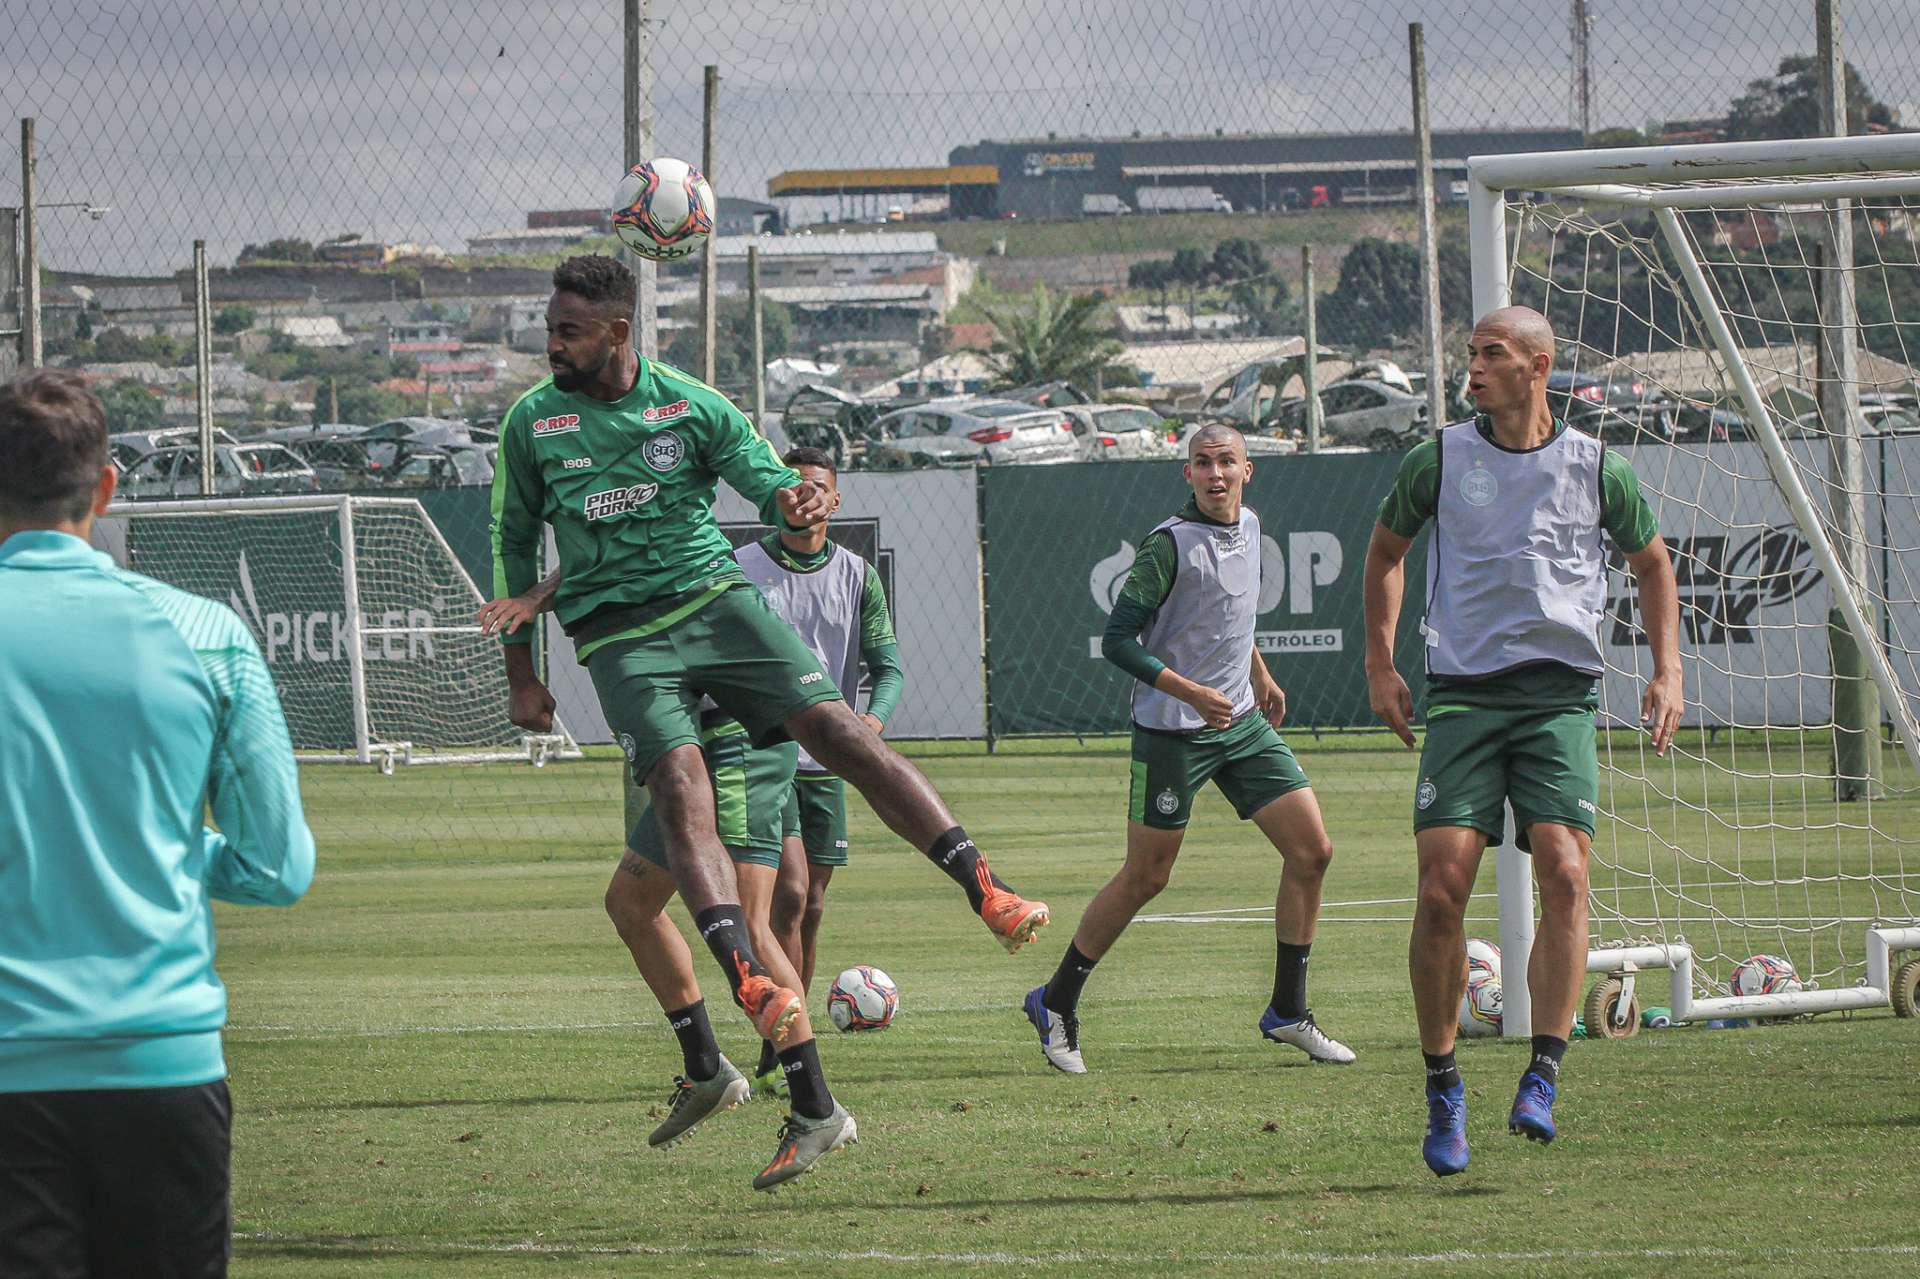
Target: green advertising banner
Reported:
point(1057, 544)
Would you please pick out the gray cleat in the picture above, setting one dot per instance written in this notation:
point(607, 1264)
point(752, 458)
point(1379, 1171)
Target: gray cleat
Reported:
point(694, 1099)
point(803, 1142)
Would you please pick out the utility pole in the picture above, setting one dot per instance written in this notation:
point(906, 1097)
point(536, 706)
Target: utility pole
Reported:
point(1429, 246)
point(754, 307)
point(1582, 25)
point(1856, 698)
point(710, 251)
point(203, 365)
point(637, 140)
point(1310, 367)
point(30, 344)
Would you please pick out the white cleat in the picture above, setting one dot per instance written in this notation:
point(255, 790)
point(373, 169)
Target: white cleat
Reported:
point(1059, 1036)
point(1303, 1034)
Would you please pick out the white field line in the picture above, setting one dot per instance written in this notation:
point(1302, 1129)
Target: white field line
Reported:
point(350, 1245)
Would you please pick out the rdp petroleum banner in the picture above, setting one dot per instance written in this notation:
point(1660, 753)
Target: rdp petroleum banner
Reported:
point(1060, 539)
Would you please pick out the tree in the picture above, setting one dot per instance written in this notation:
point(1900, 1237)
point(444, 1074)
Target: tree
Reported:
point(1619, 137)
point(131, 407)
point(1048, 341)
point(1238, 258)
point(277, 251)
point(116, 346)
point(1788, 104)
point(229, 320)
point(365, 404)
point(1267, 306)
point(1190, 267)
point(1378, 300)
point(733, 334)
point(1153, 275)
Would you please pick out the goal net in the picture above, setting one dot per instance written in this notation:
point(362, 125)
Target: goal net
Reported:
point(364, 614)
point(1744, 323)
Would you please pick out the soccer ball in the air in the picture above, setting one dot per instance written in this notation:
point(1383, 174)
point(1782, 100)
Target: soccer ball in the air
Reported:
point(1764, 975)
point(862, 998)
point(1481, 1006)
point(663, 209)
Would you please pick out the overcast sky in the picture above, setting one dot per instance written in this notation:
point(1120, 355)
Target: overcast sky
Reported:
point(239, 121)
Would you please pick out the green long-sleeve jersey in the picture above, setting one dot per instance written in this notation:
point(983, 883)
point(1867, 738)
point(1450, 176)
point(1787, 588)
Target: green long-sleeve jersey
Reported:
point(628, 487)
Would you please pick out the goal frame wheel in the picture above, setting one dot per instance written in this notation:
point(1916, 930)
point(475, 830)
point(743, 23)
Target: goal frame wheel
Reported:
point(1905, 994)
point(1602, 1000)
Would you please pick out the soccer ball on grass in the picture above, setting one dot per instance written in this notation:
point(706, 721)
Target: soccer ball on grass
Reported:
point(862, 998)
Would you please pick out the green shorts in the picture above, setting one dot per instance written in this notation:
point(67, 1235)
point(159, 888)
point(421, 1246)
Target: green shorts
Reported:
point(817, 813)
point(751, 791)
point(736, 650)
point(1477, 759)
point(1248, 760)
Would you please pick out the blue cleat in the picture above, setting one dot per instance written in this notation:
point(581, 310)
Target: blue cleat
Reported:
point(1445, 1148)
point(1059, 1036)
point(1532, 1113)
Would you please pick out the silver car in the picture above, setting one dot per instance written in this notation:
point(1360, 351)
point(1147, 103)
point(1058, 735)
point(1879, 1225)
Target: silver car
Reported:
point(1367, 413)
point(1112, 432)
point(239, 470)
point(969, 432)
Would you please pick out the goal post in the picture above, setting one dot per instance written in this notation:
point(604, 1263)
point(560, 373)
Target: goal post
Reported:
point(1696, 293)
point(363, 612)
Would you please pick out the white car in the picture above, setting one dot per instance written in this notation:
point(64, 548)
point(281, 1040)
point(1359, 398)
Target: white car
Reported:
point(239, 470)
point(1111, 432)
point(970, 432)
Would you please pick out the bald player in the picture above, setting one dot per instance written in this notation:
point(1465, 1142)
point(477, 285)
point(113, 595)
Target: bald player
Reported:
point(1205, 709)
point(1523, 508)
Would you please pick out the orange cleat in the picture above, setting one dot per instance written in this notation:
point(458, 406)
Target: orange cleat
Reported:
point(773, 1008)
point(1013, 919)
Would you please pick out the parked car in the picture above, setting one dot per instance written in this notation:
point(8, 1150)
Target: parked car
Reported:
point(340, 461)
point(1046, 395)
point(827, 418)
point(1875, 419)
point(1566, 390)
point(384, 438)
point(1259, 443)
point(127, 447)
point(1108, 432)
point(449, 465)
point(1371, 414)
point(239, 470)
point(964, 432)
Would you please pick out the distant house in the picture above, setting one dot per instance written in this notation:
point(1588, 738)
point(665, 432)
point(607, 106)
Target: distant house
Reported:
point(517, 242)
point(421, 339)
point(312, 330)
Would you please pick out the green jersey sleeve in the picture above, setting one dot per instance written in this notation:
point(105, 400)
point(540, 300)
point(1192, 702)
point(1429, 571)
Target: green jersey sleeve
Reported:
point(1146, 587)
point(740, 455)
point(1624, 512)
point(879, 650)
point(1415, 494)
point(516, 526)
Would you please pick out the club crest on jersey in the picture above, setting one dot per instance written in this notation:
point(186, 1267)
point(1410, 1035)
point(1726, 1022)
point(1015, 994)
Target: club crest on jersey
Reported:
point(628, 746)
point(1424, 797)
point(612, 502)
point(664, 451)
point(558, 424)
point(1166, 801)
point(1478, 487)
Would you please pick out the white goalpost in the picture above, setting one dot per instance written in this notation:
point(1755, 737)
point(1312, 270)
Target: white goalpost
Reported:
point(363, 613)
point(1743, 320)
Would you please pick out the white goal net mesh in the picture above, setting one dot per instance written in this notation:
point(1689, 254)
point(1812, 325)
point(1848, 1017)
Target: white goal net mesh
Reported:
point(431, 680)
point(1739, 843)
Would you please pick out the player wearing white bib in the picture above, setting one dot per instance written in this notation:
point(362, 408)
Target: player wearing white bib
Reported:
point(1205, 709)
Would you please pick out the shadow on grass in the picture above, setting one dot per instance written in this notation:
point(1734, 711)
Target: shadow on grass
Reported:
point(1172, 1198)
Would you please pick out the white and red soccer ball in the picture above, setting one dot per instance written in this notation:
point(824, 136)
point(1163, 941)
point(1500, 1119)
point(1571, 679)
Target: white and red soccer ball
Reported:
point(862, 998)
point(1764, 975)
point(1482, 1005)
point(663, 210)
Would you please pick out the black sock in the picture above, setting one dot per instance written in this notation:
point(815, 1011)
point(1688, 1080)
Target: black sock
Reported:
point(1442, 1073)
point(1547, 1052)
point(695, 1033)
point(767, 1057)
point(965, 865)
point(1063, 991)
point(724, 929)
point(806, 1085)
point(1290, 980)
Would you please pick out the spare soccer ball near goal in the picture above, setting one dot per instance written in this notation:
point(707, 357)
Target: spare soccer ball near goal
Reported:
point(1480, 1006)
point(862, 998)
point(663, 210)
point(1764, 975)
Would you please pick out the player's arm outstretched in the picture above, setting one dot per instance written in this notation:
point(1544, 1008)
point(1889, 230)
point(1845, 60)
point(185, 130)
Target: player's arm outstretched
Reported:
point(740, 455)
point(1140, 598)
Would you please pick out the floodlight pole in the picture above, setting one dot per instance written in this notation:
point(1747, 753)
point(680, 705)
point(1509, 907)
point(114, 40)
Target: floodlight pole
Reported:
point(1429, 248)
point(637, 142)
point(710, 251)
point(1856, 702)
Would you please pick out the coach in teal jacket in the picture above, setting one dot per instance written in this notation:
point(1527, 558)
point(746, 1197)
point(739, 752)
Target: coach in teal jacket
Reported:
point(127, 710)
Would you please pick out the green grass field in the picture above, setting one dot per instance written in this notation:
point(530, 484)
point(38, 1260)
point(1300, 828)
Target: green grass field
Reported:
point(443, 1064)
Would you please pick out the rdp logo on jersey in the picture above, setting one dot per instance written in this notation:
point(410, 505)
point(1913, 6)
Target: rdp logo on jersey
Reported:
point(666, 413)
point(612, 502)
point(559, 424)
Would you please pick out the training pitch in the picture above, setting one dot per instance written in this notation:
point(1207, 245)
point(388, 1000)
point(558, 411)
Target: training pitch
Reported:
point(443, 1063)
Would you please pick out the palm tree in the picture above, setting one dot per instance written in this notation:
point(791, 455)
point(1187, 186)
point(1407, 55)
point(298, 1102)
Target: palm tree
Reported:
point(1045, 342)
